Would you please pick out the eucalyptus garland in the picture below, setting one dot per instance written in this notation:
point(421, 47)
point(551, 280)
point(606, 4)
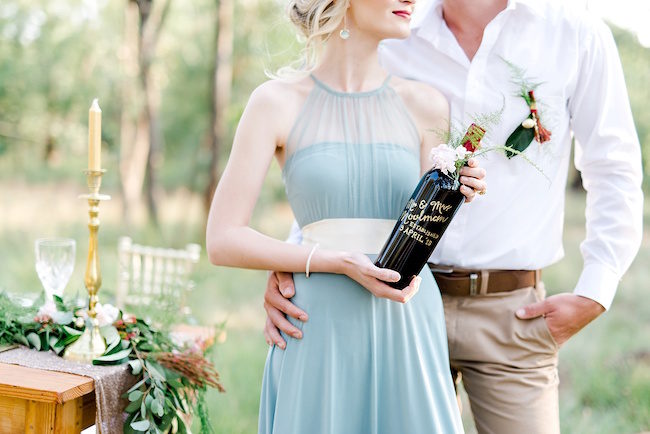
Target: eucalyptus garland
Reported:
point(171, 379)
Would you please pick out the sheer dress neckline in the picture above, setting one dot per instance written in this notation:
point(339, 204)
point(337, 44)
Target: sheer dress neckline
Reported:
point(333, 91)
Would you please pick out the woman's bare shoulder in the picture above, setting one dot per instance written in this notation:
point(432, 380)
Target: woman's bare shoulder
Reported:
point(279, 102)
point(281, 93)
point(422, 99)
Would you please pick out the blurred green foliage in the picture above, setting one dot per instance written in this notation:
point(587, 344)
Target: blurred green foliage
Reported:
point(56, 56)
point(636, 66)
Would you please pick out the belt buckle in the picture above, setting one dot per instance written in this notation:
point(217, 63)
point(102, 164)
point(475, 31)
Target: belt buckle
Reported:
point(473, 284)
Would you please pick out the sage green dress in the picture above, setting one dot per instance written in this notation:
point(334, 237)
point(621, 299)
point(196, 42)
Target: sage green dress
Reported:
point(365, 365)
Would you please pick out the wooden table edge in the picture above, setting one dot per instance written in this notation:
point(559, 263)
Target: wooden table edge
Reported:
point(74, 385)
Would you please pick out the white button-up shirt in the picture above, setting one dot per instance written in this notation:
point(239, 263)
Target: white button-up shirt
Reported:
point(518, 224)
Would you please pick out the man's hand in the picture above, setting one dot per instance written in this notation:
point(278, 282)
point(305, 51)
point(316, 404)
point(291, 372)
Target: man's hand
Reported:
point(279, 288)
point(565, 314)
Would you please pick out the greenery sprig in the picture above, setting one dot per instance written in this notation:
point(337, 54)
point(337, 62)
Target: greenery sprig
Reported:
point(171, 380)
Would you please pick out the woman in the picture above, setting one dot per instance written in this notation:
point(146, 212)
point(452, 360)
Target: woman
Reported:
point(350, 140)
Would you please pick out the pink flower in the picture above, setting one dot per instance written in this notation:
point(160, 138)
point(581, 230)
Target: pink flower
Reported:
point(106, 314)
point(43, 319)
point(129, 318)
point(46, 312)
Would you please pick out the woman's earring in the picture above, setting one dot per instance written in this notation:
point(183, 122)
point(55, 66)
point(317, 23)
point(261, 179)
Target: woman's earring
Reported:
point(345, 33)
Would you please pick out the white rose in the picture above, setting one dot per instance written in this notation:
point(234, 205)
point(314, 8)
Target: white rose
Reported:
point(461, 152)
point(443, 158)
point(106, 314)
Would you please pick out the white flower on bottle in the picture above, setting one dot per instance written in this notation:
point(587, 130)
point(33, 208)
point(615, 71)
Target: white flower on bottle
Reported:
point(443, 157)
point(461, 153)
point(107, 314)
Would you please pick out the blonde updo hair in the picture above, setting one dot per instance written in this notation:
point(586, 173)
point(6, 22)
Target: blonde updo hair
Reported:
point(316, 20)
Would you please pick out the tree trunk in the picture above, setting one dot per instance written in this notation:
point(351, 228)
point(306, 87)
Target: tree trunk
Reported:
point(220, 86)
point(134, 146)
point(152, 18)
point(140, 135)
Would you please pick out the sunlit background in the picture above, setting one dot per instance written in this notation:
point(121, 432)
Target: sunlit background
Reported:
point(167, 129)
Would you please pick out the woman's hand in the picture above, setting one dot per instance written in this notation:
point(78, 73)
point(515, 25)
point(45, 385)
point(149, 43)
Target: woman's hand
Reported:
point(472, 179)
point(360, 268)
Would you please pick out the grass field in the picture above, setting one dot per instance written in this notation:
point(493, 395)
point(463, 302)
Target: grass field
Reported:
point(604, 371)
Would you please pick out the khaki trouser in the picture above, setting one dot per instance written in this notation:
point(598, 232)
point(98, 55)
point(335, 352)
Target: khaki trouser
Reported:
point(508, 366)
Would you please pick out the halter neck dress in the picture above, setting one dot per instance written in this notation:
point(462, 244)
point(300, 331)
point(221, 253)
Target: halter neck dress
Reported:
point(365, 365)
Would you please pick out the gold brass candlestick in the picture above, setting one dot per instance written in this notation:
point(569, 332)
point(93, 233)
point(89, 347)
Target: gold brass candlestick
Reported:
point(91, 344)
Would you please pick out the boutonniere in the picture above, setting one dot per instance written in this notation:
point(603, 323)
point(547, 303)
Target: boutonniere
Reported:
point(531, 127)
point(458, 147)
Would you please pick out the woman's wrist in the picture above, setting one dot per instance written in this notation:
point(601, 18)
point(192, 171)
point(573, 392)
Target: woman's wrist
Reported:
point(329, 261)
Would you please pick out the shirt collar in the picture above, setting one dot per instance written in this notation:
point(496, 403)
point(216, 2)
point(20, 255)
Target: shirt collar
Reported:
point(428, 19)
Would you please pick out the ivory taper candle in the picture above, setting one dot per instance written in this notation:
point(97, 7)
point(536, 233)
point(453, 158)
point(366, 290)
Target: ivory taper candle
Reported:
point(94, 136)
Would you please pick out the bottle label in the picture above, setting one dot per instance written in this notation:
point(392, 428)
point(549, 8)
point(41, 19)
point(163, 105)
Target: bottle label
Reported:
point(418, 217)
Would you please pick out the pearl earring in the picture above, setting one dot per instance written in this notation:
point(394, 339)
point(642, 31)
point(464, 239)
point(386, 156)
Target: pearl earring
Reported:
point(345, 33)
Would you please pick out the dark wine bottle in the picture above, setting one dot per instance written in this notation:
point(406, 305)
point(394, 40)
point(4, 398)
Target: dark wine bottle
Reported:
point(424, 220)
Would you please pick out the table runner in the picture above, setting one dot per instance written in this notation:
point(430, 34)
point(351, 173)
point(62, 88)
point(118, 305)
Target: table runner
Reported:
point(110, 382)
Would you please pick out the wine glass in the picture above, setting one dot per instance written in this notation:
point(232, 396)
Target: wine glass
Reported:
point(54, 263)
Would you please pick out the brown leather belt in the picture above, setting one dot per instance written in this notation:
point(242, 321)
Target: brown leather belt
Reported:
point(464, 282)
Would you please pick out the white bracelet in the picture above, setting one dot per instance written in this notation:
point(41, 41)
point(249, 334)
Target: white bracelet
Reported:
point(313, 249)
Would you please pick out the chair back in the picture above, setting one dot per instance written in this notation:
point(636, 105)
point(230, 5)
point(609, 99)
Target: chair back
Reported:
point(154, 278)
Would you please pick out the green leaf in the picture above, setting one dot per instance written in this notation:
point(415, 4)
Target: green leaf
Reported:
point(166, 422)
point(136, 366)
point(58, 348)
point(155, 371)
point(182, 428)
point(134, 387)
point(110, 334)
point(71, 331)
point(53, 341)
point(170, 375)
point(62, 317)
point(159, 394)
point(127, 423)
point(141, 425)
point(45, 340)
point(135, 395)
point(157, 408)
point(113, 348)
point(520, 139)
point(34, 340)
point(185, 406)
point(21, 339)
point(175, 383)
point(145, 347)
point(58, 301)
point(113, 359)
point(70, 339)
point(147, 403)
point(177, 403)
point(133, 406)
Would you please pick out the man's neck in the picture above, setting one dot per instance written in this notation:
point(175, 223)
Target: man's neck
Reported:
point(467, 20)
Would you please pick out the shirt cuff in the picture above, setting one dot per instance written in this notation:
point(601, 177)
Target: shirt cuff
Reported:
point(598, 283)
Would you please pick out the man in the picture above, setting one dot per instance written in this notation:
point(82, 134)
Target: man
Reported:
point(503, 334)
